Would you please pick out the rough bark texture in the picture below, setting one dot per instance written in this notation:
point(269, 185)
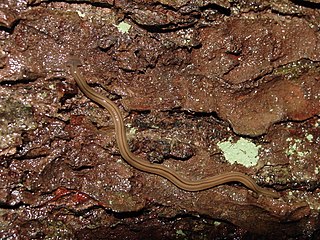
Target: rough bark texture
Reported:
point(188, 77)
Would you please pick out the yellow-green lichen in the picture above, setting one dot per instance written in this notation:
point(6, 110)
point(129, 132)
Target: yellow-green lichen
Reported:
point(242, 152)
point(295, 69)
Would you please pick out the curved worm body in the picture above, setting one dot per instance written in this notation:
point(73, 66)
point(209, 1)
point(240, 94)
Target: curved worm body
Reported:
point(148, 167)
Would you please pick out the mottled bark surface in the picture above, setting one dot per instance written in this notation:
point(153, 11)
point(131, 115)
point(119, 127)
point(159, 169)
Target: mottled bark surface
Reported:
point(189, 77)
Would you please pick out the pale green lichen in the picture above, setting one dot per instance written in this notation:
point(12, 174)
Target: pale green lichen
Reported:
point(180, 233)
point(309, 137)
point(242, 152)
point(123, 27)
point(216, 223)
point(131, 131)
point(296, 147)
point(15, 117)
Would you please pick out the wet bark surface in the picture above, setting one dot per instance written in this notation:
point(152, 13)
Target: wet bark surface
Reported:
point(188, 77)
